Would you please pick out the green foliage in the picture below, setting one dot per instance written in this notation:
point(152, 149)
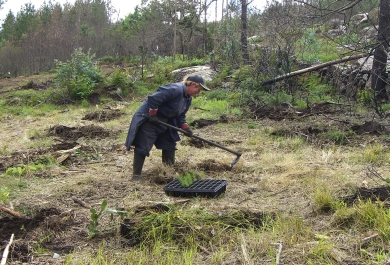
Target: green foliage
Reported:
point(300, 103)
point(366, 97)
point(217, 94)
point(344, 216)
point(310, 46)
point(22, 170)
point(143, 88)
point(119, 211)
point(24, 21)
point(323, 49)
point(323, 200)
point(215, 83)
point(23, 110)
point(80, 87)
point(3, 149)
point(45, 161)
point(250, 84)
point(274, 98)
point(79, 76)
point(107, 59)
point(188, 178)
point(161, 73)
point(243, 73)
point(321, 254)
point(4, 194)
point(349, 39)
point(375, 154)
point(316, 89)
point(95, 219)
point(179, 63)
point(385, 107)
point(28, 97)
point(118, 78)
point(194, 222)
point(335, 135)
point(215, 107)
point(85, 103)
point(328, 56)
point(374, 215)
point(291, 143)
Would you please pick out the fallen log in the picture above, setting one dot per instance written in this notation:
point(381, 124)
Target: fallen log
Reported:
point(12, 212)
point(313, 68)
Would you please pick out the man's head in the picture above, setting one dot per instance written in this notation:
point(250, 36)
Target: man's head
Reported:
point(198, 80)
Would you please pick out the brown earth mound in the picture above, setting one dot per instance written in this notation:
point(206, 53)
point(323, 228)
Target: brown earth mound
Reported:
point(370, 127)
point(104, 115)
point(89, 131)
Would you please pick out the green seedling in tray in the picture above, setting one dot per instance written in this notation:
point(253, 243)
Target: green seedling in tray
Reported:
point(188, 178)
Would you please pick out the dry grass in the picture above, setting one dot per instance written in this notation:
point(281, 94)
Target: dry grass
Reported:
point(286, 178)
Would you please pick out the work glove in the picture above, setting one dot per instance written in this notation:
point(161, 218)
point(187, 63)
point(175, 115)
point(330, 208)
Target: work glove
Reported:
point(152, 115)
point(186, 128)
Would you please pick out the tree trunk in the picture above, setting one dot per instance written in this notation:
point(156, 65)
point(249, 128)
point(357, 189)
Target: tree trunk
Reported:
point(174, 34)
point(313, 68)
point(244, 39)
point(379, 76)
point(205, 26)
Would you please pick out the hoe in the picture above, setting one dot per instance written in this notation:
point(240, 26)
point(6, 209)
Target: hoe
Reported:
point(238, 154)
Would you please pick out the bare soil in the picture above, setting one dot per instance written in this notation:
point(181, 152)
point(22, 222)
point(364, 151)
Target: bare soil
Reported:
point(57, 210)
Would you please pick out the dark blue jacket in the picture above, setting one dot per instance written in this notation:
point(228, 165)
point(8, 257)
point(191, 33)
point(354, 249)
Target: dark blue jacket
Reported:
point(172, 103)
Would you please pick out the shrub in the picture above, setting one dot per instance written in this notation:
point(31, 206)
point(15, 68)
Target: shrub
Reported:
point(118, 78)
point(107, 59)
point(78, 76)
point(310, 46)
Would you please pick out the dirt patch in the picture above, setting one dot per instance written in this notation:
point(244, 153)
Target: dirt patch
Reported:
point(205, 122)
point(63, 146)
point(94, 98)
point(104, 115)
point(73, 133)
point(373, 194)
point(371, 127)
point(20, 158)
point(29, 230)
point(15, 84)
point(83, 154)
point(37, 86)
point(213, 166)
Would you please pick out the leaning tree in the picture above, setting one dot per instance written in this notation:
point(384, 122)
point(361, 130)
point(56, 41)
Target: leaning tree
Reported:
point(379, 77)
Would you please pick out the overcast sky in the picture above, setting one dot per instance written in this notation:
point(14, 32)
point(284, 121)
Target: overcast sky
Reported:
point(123, 7)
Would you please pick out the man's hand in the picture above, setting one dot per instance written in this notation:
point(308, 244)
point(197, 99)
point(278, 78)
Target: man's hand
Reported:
point(151, 118)
point(186, 128)
point(152, 115)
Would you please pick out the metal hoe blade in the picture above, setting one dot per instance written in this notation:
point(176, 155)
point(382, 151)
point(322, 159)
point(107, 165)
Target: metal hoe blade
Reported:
point(238, 154)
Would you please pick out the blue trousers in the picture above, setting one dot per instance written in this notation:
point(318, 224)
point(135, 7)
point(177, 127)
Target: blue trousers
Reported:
point(149, 134)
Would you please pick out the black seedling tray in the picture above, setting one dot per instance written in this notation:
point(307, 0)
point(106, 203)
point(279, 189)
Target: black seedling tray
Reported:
point(204, 187)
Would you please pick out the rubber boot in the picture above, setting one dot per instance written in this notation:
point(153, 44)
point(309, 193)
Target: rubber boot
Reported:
point(138, 164)
point(168, 157)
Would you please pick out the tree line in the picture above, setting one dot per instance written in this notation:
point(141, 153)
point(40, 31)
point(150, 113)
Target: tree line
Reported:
point(33, 39)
